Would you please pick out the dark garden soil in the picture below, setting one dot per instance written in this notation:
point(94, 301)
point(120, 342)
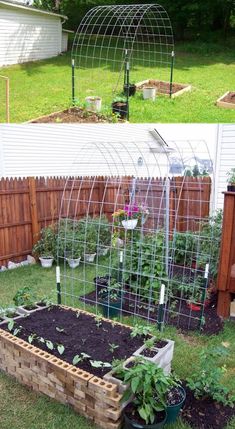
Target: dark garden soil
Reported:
point(149, 353)
point(78, 335)
point(162, 87)
point(229, 98)
point(74, 114)
point(205, 413)
point(183, 317)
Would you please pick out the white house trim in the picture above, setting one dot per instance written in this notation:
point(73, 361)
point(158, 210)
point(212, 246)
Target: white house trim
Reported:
point(31, 9)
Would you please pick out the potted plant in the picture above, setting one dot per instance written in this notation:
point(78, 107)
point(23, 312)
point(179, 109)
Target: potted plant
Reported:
point(149, 93)
point(110, 299)
point(148, 409)
point(175, 398)
point(45, 247)
point(73, 253)
point(93, 103)
point(231, 180)
point(132, 89)
point(103, 235)
point(120, 107)
point(130, 215)
point(101, 282)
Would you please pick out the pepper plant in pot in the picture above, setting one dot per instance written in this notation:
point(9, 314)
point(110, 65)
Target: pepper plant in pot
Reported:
point(231, 180)
point(149, 385)
point(25, 298)
point(120, 107)
point(45, 248)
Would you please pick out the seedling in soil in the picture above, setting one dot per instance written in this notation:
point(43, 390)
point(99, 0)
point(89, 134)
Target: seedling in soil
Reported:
point(80, 358)
point(78, 314)
point(59, 329)
point(31, 338)
point(60, 348)
point(113, 347)
point(98, 320)
point(49, 345)
point(100, 364)
point(11, 325)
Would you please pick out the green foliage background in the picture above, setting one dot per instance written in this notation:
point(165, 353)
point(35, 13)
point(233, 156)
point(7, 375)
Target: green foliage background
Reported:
point(191, 19)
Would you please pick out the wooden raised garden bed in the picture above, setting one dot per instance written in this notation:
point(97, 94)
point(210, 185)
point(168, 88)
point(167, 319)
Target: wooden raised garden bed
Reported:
point(47, 371)
point(163, 87)
point(72, 115)
point(227, 101)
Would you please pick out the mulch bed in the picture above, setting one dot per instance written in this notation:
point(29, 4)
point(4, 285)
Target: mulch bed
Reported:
point(74, 114)
point(185, 320)
point(229, 98)
point(162, 87)
point(205, 413)
point(79, 335)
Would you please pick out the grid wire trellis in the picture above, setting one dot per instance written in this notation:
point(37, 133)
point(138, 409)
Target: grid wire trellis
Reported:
point(110, 36)
point(172, 242)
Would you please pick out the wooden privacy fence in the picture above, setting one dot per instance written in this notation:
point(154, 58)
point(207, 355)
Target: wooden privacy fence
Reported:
point(29, 204)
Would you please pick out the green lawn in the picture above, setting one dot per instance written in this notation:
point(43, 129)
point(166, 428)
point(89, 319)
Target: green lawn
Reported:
point(23, 409)
point(44, 87)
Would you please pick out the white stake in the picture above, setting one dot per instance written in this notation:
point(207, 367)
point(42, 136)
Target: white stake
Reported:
point(57, 274)
point(206, 271)
point(162, 294)
point(121, 256)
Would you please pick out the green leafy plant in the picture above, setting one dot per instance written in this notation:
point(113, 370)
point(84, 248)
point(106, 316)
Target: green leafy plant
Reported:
point(60, 348)
point(149, 385)
point(231, 176)
point(46, 244)
point(141, 330)
point(98, 320)
point(206, 378)
point(25, 297)
point(119, 99)
point(184, 247)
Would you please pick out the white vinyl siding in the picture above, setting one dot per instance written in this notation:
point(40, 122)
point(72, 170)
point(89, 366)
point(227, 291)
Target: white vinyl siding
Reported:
point(28, 36)
point(225, 160)
point(64, 46)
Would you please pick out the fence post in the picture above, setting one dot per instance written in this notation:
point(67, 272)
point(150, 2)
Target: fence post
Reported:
point(33, 209)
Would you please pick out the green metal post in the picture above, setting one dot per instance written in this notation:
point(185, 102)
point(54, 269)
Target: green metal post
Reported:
point(201, 321)
point(128, 86)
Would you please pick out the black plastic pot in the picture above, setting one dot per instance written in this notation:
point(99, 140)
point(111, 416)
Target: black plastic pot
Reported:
point(174, 410)
point(130, 424)
point(111, 309)
point(120, 108)
point(132, 89)
point(231, 188)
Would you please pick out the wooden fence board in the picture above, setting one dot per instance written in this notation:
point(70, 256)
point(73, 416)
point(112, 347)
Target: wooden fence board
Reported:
point(29, 204)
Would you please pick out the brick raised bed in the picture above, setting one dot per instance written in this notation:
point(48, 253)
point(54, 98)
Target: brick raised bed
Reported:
point(89, 395)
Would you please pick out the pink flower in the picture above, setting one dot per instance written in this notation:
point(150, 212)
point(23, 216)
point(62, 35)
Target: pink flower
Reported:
point(131, 209)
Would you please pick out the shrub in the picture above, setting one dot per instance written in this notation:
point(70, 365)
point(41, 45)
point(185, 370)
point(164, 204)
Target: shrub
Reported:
point(46, 245)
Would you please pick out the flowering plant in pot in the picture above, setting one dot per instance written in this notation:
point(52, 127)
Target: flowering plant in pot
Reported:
point(120, 107)
point(231, 180)
point(130, 215)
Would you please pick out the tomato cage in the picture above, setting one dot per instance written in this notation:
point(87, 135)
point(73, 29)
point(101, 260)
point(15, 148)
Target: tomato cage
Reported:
point(137, 235)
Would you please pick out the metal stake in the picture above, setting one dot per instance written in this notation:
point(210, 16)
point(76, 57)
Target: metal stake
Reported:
point(172, 68)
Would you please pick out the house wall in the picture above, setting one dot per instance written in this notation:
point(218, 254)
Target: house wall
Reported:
point(225, 161)
point(28, 36)
point(64, 47)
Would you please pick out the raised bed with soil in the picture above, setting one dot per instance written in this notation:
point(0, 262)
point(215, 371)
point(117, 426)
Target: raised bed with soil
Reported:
point(43, 369)
point(73, 115)
point(227, 100)
point(163, 87)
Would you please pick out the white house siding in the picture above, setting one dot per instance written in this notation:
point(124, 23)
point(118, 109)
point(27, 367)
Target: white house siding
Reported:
point(64, 47)
point(28, 36)
point(55, 149)
point(225, 160)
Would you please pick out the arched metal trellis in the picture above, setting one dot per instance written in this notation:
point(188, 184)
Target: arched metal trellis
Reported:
point(135, 217)
point(118, 45)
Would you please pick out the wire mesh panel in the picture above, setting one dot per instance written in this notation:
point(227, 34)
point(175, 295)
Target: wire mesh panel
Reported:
point(123, 235)
point(109, 37)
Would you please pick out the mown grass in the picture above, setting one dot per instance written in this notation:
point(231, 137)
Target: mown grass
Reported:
point(21, 408)
point(44, 87)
